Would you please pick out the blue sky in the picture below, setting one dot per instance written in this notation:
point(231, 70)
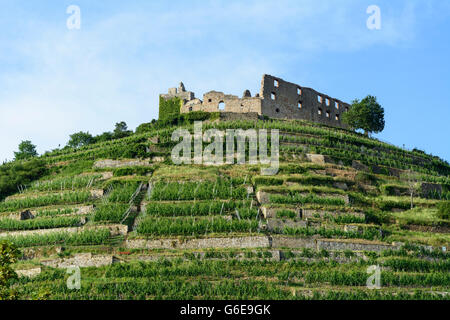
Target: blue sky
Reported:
point(55, 81)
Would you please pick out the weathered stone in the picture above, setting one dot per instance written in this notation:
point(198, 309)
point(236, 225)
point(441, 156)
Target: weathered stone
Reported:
point(279, 224)
point(29, 273)
point(154, 140)
point(340, 185)
point(236, 242)
point(359, 166)
point(293, 242)
point(277, 99)
point(115, 230)
point(430, 188)
point(81, 260)
point(354, 245)
point(97, 193)
point(121, 163)
point(107, 175)
point(26, 215)
point(316, 158)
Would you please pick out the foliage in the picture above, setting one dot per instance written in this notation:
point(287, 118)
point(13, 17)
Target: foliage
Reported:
point(45, 200)
point(444, 210)
point(26, 151)
point(128, 171)
point(366, 114)
point(15, 174)
point(220, 189)
point(394, 190)
point(80, 139)
point(121, 130)
point(179, 209)
point(40, 223)
point(110, 212)
point(377, 217)
point(188, 226)
point(169, 107)
point(85, 237)
point(8, 255)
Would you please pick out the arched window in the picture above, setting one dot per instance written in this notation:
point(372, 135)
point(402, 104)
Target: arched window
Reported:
point(221, 106)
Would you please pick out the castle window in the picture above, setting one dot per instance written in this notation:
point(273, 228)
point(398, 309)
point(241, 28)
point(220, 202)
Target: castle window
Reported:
point(277, 110)
point(300, 105)
point(336, 104)
point(276, 84)
point(346, 109)
point(327, 101)
point(319, 99)
point(273, 96)
point(190, 108)
point(299, 91)
point(328, 114)
point(337, 117)
point(319, 112)
point(221, 105)
point(209, 100)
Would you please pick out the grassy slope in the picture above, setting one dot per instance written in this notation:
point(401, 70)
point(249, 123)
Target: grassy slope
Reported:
point(198, 202)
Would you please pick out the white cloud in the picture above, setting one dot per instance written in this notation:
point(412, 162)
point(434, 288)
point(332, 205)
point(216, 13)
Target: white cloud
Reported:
point(113, 69)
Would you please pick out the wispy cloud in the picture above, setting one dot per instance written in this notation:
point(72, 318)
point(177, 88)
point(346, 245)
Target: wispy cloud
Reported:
point(114, 68)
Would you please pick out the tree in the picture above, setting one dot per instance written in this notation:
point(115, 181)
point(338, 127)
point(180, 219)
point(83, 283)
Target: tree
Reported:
point(105, 136)
point(121, 130)
point(366, 114)
point(8, 255)
point(27, 150)
point(412, 182)
point(80, 139)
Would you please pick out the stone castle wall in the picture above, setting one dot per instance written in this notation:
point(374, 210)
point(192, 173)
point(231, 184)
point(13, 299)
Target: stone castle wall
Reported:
point(277, 99)
point(286, 100)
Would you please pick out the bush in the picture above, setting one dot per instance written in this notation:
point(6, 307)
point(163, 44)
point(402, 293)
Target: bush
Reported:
point(286, 214)
point(267, 181)
point(444, 210)
point(364, 177)
point(377, 217)
point(128, 171)
point(394, 190)
point(15, 174)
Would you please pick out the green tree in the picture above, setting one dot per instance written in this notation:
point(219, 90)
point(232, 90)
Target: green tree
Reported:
point(105, 136)
point(80, 139)
point(121, 130)
point(8, 255)
point(27, 150)
point(366, 114)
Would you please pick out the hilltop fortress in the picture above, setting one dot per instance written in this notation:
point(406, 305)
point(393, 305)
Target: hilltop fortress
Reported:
point(277, 99)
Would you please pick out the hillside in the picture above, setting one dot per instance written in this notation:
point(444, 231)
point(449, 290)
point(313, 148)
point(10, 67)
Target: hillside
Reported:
point(141, 227)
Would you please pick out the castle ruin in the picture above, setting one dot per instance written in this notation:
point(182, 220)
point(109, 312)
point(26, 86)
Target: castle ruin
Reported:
point(277, 99)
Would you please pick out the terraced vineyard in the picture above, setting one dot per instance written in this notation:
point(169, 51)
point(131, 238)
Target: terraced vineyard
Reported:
point(140, 227)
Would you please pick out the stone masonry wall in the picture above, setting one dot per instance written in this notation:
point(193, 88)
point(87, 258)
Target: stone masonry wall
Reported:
point(286, 100)
point(277, 99)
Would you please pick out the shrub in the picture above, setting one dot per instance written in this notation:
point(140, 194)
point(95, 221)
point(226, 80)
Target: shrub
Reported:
point(286, 214)
point(377, 217)
point(111, 212)
point(444, 210)
point(128, 171)
point(394, 190)
point(15, 174)
point(267, 181)
point(365, 177)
